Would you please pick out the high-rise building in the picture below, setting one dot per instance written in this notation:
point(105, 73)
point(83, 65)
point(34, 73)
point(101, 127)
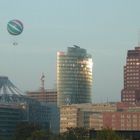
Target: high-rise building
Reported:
point(131, 91)
point(74, 76)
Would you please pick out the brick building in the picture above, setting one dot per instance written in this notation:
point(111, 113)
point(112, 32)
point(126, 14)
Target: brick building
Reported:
point(131, 90)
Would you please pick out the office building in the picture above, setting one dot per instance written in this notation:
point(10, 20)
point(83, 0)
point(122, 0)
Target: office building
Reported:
point(78, 115)
point(119, 120)
point(10, 116)
point(15, 107)
point(45, 96)
point(116, 116)
point(74, 76)
point(48, 99)
point(131, 90)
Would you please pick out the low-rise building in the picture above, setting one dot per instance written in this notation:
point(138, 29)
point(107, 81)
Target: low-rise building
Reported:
point(77, 115)
point(115, 120)
point(126, 117)
point(117, 116)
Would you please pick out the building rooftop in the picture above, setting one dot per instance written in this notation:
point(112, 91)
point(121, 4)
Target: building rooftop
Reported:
point(9, 93)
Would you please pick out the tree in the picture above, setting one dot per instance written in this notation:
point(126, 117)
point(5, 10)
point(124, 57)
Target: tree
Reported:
point(39, 135)
point(78, 133)
point(24, 130)
point(107, 134)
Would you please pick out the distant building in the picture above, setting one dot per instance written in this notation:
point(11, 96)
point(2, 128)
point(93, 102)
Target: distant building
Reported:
point(42, 95)
point(119, 120)
point(74, 76)
point(77, 115)
point(48, 98)
point(16, 107)
point(53, 117)
point(117, 116)
point(131, 90)
point(10, 116)
point(45, 96)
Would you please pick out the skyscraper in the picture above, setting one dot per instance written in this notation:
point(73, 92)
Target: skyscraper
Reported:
point(131, 91)
point(74, 76)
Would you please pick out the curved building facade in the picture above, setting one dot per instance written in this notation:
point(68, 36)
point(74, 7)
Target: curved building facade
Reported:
point(74, 76)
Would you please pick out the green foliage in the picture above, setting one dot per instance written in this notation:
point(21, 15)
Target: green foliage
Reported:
point(31, 131)
point(107, 134)
point(24, 130)
point(43, 135)
point(75, 134)
point(39, 135)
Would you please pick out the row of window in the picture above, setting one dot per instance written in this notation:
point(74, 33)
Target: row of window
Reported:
point(137, 82)
point(132, 74)
point(132, 70)
point(132, 66)
point(129, 91)
point(128, 95)
point(132, 86)
point(133, 59)
point(131, 78)
point(128, 99)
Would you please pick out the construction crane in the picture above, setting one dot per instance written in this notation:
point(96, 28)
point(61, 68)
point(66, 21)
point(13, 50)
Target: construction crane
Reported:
point(42, 82)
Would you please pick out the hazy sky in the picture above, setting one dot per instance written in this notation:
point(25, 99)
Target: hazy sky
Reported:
point(106, 28)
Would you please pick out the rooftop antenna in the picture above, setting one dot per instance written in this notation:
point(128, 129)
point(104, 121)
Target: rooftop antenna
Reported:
point(42, 82)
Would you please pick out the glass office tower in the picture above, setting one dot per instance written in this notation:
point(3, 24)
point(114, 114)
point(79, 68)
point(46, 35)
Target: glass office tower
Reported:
point(74, 76)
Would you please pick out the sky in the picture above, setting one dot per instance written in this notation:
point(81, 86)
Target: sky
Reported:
point(106, 28)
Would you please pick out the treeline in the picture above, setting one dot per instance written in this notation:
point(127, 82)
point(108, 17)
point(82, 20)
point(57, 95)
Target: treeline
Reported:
point(30, 131)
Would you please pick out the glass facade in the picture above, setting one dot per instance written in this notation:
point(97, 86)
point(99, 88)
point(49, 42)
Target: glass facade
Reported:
point(10, 115)
point(16, 107)
point(74, 76)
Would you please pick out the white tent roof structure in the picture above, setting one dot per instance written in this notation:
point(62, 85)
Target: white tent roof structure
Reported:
point(9, 93)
